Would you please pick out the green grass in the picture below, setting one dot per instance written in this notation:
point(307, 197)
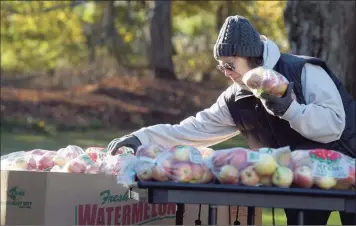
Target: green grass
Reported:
point(11, 142)
point(280, 217)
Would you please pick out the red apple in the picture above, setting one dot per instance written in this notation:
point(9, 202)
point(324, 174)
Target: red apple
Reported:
point(207, 176)
point(167, 164)
point(197, 173)
point(221, 158)
point(303, 177)
point(238, 159)
point(159, 174)
point(325, 182)
point(342, 184)
point(269, 83)
point(266, 180)
point(76, 167)
point(45, 161)
point(282, 177)
point(182, 172)
point(281, 89)
point(249, 176)
point(348, 182)
point(228, 175)
point(150, 151)
point(352, 175)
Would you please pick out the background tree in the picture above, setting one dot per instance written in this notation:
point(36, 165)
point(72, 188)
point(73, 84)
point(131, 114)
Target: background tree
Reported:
point(325, 29)
point(161, 41)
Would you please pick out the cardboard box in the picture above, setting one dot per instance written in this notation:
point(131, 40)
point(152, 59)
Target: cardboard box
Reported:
point(47, 198)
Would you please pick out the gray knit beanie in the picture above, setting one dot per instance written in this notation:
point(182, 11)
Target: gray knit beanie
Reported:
point(238, 37)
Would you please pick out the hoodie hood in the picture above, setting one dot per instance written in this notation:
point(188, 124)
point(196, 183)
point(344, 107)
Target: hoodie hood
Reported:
point(271, 53)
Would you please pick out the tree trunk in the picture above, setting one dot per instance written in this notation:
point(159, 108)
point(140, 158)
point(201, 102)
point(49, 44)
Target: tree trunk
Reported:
point(113, 40)
point(219, 17)
point(161, 43)
point(325, 29)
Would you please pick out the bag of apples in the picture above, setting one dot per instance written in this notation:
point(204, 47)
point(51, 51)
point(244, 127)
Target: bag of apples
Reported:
point(97, 154)
point(266, 80)
point(327, 169)
point(80, 164)
point(35, 160)
point(120, 165)
point(265, 166)
point(178, 163)
point(146, 165)
point(15, 161)
point(64, 155)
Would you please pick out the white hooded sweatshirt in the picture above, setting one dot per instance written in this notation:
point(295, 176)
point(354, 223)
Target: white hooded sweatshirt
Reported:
point(322, 119)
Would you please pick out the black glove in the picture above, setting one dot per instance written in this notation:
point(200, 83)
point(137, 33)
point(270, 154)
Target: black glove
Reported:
point(278, 105)
point(130, 141)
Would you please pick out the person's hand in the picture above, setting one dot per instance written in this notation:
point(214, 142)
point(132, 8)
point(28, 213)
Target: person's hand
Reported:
point(130, 141)
point(278, 105)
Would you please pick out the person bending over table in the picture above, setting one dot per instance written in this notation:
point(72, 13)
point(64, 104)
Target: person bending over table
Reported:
point(322, 116)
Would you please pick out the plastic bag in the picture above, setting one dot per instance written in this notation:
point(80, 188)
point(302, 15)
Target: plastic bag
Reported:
point(81, 164)
point(266, 80)
point(70, 152)
point(265, 166)
point(179, 164)
point(327, 169)
point(8, 160)
point(120, 165)
point(146, 165)
point(206, 153)
point(97, 154)
point(64, 155)
point(45, 162)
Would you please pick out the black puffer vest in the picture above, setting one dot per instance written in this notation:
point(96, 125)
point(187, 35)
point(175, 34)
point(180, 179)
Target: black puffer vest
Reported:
point(264, 130)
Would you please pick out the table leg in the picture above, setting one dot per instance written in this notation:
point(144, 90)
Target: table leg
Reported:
point(250, 215)
point(212, 215)
point(300, 217)
point(180, 214)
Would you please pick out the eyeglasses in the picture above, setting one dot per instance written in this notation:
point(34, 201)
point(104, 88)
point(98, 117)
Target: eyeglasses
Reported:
point(226, 66)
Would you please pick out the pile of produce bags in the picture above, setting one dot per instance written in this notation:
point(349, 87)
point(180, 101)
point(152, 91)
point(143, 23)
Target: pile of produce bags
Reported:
point(73, 159)
point(179, 163)
point(325, 169)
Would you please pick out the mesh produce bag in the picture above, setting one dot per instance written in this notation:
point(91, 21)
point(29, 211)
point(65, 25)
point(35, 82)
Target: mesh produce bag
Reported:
point(266, 80)
point(327, 169)
point(179, 163)
point(265, 166)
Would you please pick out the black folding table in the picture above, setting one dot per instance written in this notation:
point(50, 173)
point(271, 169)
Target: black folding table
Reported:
point(235, 195)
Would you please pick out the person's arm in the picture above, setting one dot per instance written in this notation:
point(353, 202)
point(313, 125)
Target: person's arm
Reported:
point(207, 128)
point(322, 119)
